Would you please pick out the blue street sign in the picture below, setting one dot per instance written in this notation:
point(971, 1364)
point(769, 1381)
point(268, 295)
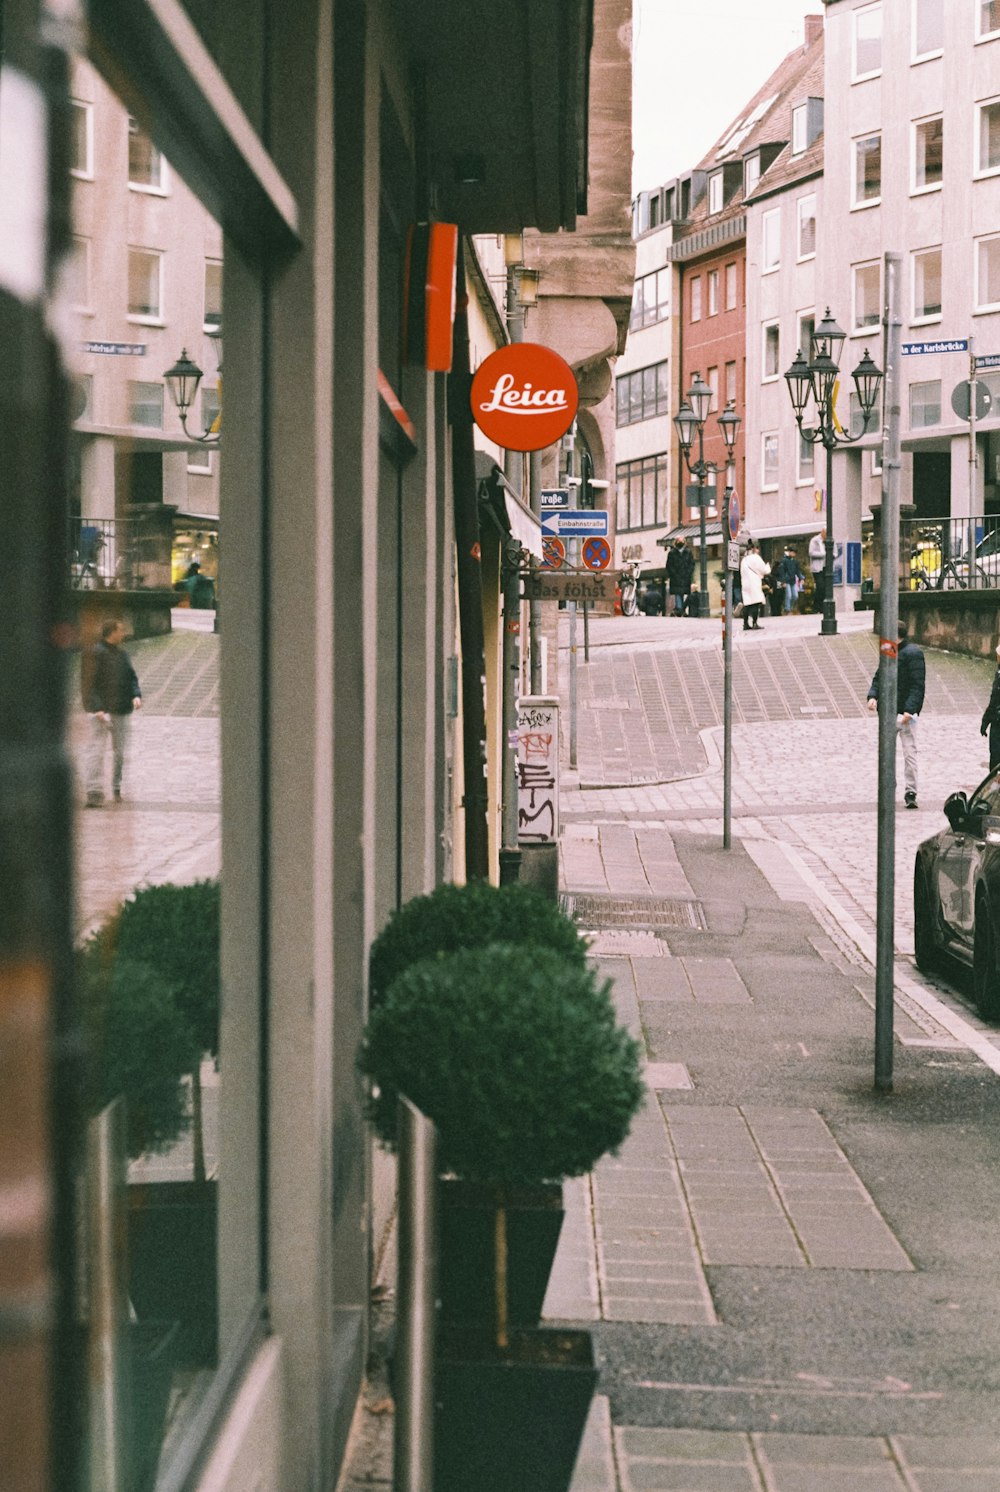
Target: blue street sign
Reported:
point(555, 497)
point(957, 344)
point(578, 522)
point(988, 360)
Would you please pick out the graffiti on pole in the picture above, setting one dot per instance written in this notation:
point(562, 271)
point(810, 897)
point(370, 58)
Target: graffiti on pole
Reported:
point(537, 770)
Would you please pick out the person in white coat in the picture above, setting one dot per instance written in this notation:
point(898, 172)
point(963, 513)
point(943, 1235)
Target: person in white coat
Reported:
point(752, 572)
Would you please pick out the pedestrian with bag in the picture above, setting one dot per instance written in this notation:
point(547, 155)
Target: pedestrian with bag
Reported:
point(111, 692)
point(752, 571)
point(991, 717)
point(910, 680)
point(817, 568)
point(680, 571)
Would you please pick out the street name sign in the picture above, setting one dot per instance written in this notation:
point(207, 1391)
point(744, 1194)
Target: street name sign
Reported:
point(988, 360)
point(555, 497)
point(957, 344)
point(577, 522)
point(569, 585)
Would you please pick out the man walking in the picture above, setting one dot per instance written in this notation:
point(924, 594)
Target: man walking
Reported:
point(680, 569)
point(111, 692)
point(817, 568)
point(991, 718)
point(788, 573)
point(910, 675)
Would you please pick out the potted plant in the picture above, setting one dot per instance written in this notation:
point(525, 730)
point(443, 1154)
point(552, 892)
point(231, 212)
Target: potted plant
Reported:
point(450, 918)
point(515, 1055)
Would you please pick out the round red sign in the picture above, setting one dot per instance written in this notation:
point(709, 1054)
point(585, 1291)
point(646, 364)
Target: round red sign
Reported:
point(524, 396)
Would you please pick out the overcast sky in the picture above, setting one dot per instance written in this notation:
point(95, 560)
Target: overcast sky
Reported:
point(696, 63)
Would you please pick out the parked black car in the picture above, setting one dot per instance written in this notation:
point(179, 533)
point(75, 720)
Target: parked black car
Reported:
point(956, 892)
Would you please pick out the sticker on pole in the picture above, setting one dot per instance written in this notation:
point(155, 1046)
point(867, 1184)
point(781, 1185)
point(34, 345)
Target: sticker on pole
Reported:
point(596, 553)
point(553, 552)
point(524, 397)
point(733, 515)
point(888, 647)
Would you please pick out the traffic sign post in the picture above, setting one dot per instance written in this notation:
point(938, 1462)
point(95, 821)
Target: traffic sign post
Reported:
point(596, 553)
point(577, 523)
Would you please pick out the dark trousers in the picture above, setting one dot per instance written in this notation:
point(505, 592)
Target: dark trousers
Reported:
point(994, 746)
point(750, 615)
point(819, 581)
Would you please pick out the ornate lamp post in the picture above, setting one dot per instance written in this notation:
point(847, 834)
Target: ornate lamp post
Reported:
point(183, 380)
point(690, 421)
point(817, 379)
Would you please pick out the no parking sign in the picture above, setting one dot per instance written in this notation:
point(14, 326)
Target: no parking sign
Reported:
point(596, 553)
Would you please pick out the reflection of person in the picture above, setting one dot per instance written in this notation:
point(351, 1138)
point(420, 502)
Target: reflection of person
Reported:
point(111, 692)
point(910, 677)
point(680, 569)
point(991, 717)
point(817, 567)
point(752, 572)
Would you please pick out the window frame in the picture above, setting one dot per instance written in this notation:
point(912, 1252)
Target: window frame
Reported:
point(712, 291)
point(875, 72)
point(208, 325)
point(917, 190)
point(716, 200)
point(800, 129)
point(146, 318)
point(731, 381)
point(982, 35)
point(767, 436)
point(635, 378)
point(915, 55)
point(639, 320)
point(923, 383)
point(804, 477)
point(694, 299)
point(767, 342)
point(800, 257)
point(806, 318)
point(85, 172)
point(150, 189)
point(864, 329)
point(81, 241)
point(144, 383)
point(770, 219)
point(657, 466)
point(751, 172)
point(732, 282)
point(983, 307)
point(922, 318)
point(859, 203)
point(712, 379)
point(979, 170)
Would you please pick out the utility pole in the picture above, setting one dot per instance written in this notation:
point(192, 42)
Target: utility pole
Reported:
point(513, 462)
point(535, 607)
point(885, 913)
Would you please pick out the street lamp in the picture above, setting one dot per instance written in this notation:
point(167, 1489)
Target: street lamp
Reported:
point(183, 380)
point(817, 380)
point(689, 421)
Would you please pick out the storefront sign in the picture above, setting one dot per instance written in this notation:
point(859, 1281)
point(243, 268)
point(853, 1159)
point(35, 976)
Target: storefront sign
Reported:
point(569, 585)
point(524, 397)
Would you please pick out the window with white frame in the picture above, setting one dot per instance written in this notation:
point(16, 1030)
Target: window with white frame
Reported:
point(199, 461)
point(731, 383)
point(867, 300)
point(81, 140)
point(769, 459)
point(650, 299)
point(715, 192)
point(867, 169)
point(211, 408)
point(988, 21)
point(643, 496)
point(145, 163)
point(771, 364)
point(145, 404)
point(928, 28)
point(771, 239)
point(642, 395)
point(751, 173)
point(213, 294)
point(145, 285)
point(988, 273)
point(925, 404)
point(732, 287)
point(807, 325)
point(858, 426)
point(79, 274)
point(988, 136)
point(712, 379)
point(712, 287)
point(799, 122)
point(807, 226)
point(928, 154)
point(926, 284)
point(866, 42)
point(806, 464)
point(696, 298)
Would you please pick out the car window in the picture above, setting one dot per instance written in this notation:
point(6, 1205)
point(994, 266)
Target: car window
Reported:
point(987, 794)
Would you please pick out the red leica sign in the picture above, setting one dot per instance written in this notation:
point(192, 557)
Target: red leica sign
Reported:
point(524, 397)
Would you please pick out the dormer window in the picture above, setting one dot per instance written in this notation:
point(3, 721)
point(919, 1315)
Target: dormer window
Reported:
point(715, 192)
point(799, 133)
point(751, 173)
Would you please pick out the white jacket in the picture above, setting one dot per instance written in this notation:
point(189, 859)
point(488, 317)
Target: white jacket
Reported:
point(752, 572)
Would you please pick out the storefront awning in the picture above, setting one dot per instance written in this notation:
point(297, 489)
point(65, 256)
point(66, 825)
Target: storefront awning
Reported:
point(511, 514)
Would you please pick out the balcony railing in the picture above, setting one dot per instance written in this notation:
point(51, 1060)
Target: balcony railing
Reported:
point(117, 554)
point(949, 554)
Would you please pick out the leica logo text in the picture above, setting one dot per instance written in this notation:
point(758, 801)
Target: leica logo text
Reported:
point(526, 400)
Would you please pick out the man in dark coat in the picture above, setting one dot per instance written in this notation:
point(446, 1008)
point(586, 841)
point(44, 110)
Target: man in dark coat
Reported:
point(111, 692)
point(910, 676)
point(991, 718)
point(680, 569)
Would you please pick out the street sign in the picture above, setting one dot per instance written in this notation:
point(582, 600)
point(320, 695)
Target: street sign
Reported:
point(555, 497)
point(961, 399)
point(578, 522)
point(596, 553)
point(733, 514)
point(913, 349)
point(988, 360)
point(569, 585)
point(732, 554)
point(553, 552)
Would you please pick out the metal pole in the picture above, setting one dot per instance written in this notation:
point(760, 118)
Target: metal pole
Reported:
point(888, 621)
point(413, 1447)
point(828, 626)
point(571, 608)
point(586, 631)
point(973, 461)
point(510, 855)
point(703, 606)
point(107, 1309)
point(727, 688)
point(535, 607)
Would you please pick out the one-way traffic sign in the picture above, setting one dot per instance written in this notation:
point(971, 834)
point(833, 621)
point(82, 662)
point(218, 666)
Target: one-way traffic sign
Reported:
point(577, 522)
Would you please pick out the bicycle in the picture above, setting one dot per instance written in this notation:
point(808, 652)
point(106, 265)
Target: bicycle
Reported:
point(628, 588)
point(951, 576)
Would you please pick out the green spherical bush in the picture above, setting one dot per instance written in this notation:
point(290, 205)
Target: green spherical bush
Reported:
point(470, 916)
point(175, 929)
point(516, 1056)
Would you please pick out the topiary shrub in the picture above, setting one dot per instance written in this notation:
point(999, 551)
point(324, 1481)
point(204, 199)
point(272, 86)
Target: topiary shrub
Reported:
point(470, 916)
point(515, 1055)
point(139, 1047)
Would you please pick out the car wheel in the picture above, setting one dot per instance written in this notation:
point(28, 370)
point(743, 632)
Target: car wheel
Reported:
point(985, 975)
point(925, 946)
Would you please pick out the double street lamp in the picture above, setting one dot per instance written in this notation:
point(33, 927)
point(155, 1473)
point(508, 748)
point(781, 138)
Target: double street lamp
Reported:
point(817, 379)
point(690, 421)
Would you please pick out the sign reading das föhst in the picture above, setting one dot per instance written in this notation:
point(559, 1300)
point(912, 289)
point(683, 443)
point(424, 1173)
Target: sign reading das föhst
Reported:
point(524, 396)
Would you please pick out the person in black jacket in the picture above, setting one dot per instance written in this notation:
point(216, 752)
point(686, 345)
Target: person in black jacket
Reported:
point(680, 569)
point(991, 718)
point(110, 692)
point(910, 677)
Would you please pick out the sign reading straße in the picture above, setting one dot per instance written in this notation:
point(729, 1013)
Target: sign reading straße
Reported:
point(569, 585)
point(524, 397)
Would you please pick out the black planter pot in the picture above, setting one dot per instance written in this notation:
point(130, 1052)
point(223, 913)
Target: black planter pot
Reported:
point(172, 1262)
point(467, 1251)
point(510, 1420)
